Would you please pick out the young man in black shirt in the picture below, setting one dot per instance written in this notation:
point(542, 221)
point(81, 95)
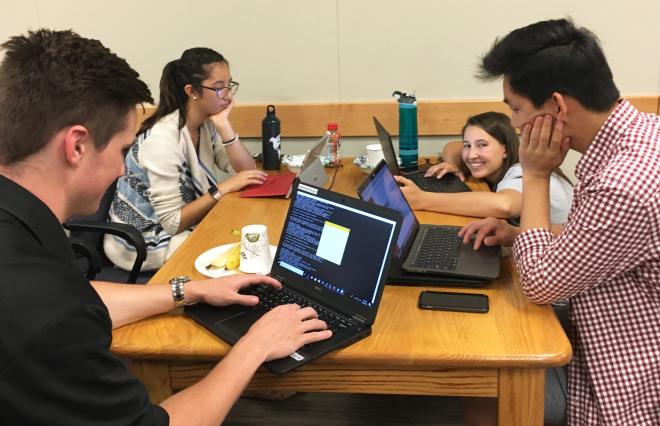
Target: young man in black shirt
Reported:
point(67, 112)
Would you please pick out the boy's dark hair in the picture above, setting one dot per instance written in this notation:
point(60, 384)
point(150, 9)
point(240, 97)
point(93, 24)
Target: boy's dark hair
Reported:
point(553, 56)
point(53, 79)
point(192, 68)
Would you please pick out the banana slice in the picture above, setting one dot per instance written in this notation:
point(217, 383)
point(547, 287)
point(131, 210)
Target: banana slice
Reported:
point(221, 261)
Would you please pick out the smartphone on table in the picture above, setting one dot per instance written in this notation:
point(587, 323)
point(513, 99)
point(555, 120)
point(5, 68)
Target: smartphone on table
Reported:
point(449, 301)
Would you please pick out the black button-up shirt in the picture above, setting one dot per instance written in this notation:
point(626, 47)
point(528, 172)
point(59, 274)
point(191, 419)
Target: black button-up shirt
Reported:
point(55, 332)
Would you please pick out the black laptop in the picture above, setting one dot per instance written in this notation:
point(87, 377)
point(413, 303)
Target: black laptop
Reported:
point(429, 249)
point(333, 255)
point(448, 183)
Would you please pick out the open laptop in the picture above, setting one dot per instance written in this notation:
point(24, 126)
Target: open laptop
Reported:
point(448, 183)
point(333, 254)
point(311, 172)
point(428, 249)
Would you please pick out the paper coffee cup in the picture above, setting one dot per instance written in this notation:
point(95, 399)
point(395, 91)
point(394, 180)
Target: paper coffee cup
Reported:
point(374, 154)
point(255, 250)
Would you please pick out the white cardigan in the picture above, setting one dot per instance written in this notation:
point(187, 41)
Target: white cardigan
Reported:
point(163, 174)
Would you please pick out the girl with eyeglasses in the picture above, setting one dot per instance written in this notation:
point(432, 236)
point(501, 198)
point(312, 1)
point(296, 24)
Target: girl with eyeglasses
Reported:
point(174, 171)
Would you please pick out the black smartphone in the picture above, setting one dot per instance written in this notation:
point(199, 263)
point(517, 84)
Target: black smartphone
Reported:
point(460, 302)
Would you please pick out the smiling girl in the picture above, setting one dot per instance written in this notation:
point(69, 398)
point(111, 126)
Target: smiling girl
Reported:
point(174, 170)
point(489, 151)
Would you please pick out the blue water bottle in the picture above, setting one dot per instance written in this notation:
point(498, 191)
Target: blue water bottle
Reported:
point(408, 149)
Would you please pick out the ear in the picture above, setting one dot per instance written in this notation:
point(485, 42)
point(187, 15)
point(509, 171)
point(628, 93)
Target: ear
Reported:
point(77, 143)
point(190, 91)
point(560, 105)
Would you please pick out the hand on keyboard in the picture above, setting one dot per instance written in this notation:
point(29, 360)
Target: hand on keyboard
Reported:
point(227, 290)
point(285, 329)
point(444, 168)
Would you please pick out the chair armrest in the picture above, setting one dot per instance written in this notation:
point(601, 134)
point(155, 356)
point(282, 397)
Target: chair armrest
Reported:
point(121, 230)
point(82, 248)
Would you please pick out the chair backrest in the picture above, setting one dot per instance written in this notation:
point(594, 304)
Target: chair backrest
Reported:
point(95, 239)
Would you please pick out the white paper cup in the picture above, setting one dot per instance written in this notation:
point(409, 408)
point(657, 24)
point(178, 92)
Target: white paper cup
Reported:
point(255, 250)
point(374, 154)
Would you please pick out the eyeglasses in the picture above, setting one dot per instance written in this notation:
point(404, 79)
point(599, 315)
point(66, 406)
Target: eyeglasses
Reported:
point(222, 91)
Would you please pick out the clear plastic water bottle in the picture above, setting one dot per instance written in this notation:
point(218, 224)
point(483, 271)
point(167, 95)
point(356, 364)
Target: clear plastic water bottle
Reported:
point(408, 147)
point(270, 140)
point(332, 153)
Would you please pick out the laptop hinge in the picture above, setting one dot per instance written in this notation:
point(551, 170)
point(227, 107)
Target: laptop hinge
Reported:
point(357, 318)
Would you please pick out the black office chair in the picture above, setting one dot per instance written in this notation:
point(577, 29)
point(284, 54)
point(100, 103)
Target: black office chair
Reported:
point(86, 239)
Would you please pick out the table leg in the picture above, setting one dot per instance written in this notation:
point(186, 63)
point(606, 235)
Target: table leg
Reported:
point(520, 400)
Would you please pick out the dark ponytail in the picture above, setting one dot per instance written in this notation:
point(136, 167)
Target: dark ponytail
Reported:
point(191, 69)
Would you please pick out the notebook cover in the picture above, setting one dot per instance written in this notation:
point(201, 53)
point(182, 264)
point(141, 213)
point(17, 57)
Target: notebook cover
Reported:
point(275, 186)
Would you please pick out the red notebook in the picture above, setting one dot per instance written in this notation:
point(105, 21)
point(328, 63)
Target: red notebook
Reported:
point(275, 186)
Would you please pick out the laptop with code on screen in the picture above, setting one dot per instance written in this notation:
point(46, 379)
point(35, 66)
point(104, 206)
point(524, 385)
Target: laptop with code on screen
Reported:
point(333, 255)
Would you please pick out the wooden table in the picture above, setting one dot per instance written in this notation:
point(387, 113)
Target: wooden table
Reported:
point(500, 354)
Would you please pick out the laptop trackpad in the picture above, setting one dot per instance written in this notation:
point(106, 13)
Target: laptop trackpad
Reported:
point(235, 320)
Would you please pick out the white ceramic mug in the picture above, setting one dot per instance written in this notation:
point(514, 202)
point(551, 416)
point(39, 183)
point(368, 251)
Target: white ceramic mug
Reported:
point(255, 250)
point(374, 154)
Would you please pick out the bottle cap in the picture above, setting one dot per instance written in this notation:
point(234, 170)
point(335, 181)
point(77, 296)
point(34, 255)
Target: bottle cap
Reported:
point(405, 97)
point(332, 126)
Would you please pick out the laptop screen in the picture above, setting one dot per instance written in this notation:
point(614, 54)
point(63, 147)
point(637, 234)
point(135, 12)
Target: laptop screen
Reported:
point(381, 189)
point(335, 246)
point(388, 149)
point(314, 153)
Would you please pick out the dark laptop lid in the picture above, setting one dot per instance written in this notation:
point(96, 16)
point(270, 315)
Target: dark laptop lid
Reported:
point(388, 149)
point(380, 188)
point(336, 249)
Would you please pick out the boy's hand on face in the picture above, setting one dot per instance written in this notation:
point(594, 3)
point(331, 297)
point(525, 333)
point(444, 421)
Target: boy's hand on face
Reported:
point(542, 146)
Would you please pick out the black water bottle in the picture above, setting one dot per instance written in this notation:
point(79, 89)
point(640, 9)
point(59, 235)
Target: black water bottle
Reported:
point(270, 140)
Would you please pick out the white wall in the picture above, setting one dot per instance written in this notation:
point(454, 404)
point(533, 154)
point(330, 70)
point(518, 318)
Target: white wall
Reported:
point(346, 50)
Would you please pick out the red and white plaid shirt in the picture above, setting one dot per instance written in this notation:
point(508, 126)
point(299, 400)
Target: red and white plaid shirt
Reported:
point(607, 261)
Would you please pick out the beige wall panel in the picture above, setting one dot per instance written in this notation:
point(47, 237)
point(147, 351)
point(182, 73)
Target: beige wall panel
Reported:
point(433, 46)
point(346, 50)
point(16, 18)
point(280, 51)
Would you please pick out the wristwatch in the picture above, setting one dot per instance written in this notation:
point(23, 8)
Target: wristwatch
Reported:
point(215, 192)
point(177, 289)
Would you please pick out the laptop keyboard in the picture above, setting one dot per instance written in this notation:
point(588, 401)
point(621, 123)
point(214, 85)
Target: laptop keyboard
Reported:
point(424, 183)
point(269, 298)
point(438, 249)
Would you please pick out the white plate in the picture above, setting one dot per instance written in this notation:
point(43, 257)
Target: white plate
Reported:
point(206, 258)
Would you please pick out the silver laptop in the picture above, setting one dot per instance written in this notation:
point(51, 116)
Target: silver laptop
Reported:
point(312, 171)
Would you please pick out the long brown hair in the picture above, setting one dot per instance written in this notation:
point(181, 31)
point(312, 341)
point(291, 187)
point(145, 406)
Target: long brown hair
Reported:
point(499, 126)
